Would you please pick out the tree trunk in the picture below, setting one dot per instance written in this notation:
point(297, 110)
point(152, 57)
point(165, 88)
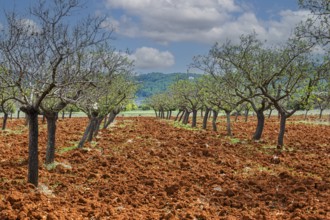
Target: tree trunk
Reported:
point(92, 130)
point(194, 119)
point(26, 123)
point(246, 114)
point(177, 116)
point(97, 127)
point(170, 114)
point(4, 122)
point(270, 113)
point(206, 115)
point(85, 135)
point(181, 116)
point(186, 117)
point(236, 116)
point(156, 113)
point(202, 113)
point(70, 113)
point(63, 113)
point(33, 147)
point(306, 112)
point(280, 140)
point(43, 119)
point(51, 134)
point(111, 118)
point(321, 112)
point(214, 120)
point(228, 123)
point(18, 114)
point(11, 115)
point(260, 125)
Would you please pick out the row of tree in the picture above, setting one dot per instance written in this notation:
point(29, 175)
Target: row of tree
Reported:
point(251, 74)
point(47, 62)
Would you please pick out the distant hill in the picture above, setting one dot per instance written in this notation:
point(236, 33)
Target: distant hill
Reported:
point(153, 83)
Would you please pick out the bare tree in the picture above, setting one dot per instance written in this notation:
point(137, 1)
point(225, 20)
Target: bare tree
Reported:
point(34, 51)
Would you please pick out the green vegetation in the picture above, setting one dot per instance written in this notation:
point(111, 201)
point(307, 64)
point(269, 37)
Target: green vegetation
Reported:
point(154, 83)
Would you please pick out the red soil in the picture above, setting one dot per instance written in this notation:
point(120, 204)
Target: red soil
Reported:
point(144, 168)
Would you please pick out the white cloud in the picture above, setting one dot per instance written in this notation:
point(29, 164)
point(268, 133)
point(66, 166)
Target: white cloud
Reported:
point(204, 21)
point(147, 58)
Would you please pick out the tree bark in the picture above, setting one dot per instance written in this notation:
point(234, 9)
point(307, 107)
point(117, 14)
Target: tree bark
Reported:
point(92, 130)
point(194, 119)
point(321, 112)
point(177, 116)
point(186, 117)
point(229, 133)
point(70, 113)
point(306, 112)
point(85, 135)
point(4, 121)
point(214, 120)
point(270, 113)
point(236, 116)
point(156, 113)
point(98, 124)
point(280, 140)
point(51, 134)
point(246, 115)
point(33, 146)
point(18, 114)
point(111, 118)
point(260, 125)
point(63, 114)
point(181, 116)
point(206, 115)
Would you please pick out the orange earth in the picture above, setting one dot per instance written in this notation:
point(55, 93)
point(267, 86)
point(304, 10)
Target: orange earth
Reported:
point(146, 168)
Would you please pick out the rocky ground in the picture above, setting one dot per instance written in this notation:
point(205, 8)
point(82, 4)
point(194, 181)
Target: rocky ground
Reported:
point(146, 168)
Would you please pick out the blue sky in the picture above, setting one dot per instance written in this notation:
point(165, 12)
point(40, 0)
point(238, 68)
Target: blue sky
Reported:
point(164, 35)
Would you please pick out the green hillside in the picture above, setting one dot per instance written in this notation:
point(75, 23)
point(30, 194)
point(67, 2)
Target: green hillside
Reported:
point(153, 83)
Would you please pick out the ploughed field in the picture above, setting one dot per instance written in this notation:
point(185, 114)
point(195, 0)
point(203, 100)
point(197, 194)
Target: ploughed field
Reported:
point(146, 168)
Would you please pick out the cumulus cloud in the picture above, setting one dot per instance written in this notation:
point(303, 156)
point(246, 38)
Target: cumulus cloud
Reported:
point(204, 21)
point(148, 58)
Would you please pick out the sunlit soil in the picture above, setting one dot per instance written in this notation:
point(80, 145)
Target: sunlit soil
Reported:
point(146, 168)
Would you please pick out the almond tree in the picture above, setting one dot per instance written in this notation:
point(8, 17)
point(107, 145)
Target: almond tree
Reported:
point(189, 92)
point(317, 27)
point(33, 53)
point(104, 97)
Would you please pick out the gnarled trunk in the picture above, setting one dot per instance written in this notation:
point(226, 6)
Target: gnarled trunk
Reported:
point(260, 125)
point(229, 133)
point(306, 113)
point(186, 117)
point(51, 133)
point(194, 119)
point(4, 121)
point(321, 112)
point(206, 115)
point(280, 140)
point(214, 120)
point(86, 133)
point(177, 116)
point(32, 117)
point(246, 114)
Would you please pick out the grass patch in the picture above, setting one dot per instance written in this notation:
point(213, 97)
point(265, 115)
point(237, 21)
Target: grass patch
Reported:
point(50, 166)
point(234, 140)
point(67, 149)
point(16, 131)
point(187, 126)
